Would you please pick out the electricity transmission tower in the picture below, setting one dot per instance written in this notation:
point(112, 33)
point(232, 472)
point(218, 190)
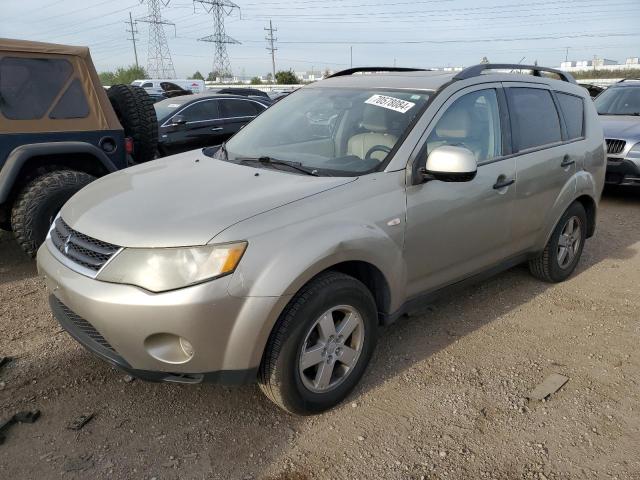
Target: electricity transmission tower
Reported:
point(270, 48)
point(133, 32)
point(219, 9)
point(159, 63)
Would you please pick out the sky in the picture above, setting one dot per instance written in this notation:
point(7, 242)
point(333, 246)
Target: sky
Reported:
point(320, 34)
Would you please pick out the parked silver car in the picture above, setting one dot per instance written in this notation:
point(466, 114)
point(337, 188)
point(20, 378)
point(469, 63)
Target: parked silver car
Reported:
point(619, 109)
point(349, 203)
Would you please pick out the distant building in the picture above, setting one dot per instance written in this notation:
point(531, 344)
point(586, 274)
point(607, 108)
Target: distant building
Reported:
point(631, 63)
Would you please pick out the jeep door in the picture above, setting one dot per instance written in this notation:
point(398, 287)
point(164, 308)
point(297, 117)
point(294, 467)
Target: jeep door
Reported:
point(455, 229)
point(203, 127)
point(545, 156)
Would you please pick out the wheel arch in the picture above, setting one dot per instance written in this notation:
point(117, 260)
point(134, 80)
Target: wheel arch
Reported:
point(28, 161)
point(589, 205)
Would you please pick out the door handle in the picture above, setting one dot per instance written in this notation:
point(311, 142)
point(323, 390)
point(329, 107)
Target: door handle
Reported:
point(216, 129)
point(502, 182)
point(566, 161)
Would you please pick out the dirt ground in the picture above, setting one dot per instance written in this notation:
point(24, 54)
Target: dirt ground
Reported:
point(444, 397)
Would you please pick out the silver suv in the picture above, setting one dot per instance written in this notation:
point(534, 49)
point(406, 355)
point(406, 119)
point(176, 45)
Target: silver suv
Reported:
point(354, 200)
point(619, 109)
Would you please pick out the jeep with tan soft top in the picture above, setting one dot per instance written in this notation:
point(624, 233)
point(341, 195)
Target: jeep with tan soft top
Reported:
point(59, 130)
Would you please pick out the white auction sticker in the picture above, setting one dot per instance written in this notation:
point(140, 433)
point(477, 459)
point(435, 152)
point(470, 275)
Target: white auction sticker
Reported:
point(174, 105)
point(391, 103)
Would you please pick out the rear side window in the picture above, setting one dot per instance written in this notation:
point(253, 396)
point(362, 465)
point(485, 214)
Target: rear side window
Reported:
point(239, 108)
point(147, 85)
point(573, 111)
point(28, 86)
point(72, 104)
point(535, 118)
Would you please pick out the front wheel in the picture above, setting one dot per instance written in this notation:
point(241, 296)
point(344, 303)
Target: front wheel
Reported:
point(563, 250)
point(320, 346)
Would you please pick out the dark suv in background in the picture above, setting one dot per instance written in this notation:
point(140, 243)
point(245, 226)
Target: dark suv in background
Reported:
point(202, 120)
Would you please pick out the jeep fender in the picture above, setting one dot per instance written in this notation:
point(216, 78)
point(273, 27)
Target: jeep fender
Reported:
point(20, 155)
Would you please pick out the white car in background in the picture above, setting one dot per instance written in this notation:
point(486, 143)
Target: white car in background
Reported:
point(152, 86)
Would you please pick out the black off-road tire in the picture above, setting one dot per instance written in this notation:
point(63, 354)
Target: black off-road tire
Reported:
point(279, 375)
point(546, 266)
point(38, 204)
point(134, 108)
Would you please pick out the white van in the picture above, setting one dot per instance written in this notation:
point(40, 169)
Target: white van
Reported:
point(153, 85)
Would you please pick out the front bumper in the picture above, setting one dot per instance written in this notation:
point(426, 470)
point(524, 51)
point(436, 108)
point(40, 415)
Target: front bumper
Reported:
point(116, 321)
point(622, 171)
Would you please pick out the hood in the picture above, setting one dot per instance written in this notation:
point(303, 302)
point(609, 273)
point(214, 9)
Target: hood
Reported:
point(183, 200)
point(621, 127)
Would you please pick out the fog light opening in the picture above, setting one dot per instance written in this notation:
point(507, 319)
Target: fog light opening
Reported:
point(169, 348)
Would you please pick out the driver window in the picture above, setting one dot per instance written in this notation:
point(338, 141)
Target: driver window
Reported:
point(473, 122)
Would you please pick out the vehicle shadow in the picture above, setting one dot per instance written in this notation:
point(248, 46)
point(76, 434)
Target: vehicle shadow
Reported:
point(15, 265)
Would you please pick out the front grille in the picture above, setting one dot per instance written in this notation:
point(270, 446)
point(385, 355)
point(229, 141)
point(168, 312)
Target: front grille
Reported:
point(82, 326)
point(80, 248)
point(615, 146)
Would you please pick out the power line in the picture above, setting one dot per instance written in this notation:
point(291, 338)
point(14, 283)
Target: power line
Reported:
point(219, 9)
point(159, 63)
point(133, 32)
point(271, 48)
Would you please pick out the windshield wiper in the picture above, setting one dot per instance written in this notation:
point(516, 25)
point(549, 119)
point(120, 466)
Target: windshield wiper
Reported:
point(264, 160)
point(632, 114)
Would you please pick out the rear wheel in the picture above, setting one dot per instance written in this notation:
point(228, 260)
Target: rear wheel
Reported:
point(563, 250)
point(134, 108)
point(321, 345)
point(39, 202)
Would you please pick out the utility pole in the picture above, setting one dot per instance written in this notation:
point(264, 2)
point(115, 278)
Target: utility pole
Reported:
point(159, 63)
point(133, 32)
point(219, 9)
point(566, 55)
point(271, 48)
point(351, 55)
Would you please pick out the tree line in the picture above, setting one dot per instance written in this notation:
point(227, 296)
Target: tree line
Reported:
point(128, 74)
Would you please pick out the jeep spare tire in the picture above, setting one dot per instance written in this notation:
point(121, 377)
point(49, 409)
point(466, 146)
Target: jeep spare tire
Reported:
point(134, 108)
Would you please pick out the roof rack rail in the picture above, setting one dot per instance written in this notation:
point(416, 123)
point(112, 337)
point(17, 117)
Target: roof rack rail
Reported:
point(476, 70)
point(629, 79)
point(351, 71)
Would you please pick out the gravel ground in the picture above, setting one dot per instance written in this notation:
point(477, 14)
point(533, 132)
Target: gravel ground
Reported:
point(444, 397)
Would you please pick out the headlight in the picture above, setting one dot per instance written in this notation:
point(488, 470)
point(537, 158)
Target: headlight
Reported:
point(634, 152)
point(162, 269)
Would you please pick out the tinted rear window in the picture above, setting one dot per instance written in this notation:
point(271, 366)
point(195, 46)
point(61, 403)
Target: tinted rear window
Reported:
point(240, 108)
point(573, 111)
point(28, 86)
point(535, 117)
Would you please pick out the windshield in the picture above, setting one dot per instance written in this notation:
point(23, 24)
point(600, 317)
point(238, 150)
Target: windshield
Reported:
point(167, 107)
point(332, 131)
point(619, 101)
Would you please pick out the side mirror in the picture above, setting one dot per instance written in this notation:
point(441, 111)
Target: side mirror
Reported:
point(451, 164)
point(178, 120)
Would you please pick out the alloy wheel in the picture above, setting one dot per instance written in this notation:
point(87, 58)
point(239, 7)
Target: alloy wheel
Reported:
point(331, 348)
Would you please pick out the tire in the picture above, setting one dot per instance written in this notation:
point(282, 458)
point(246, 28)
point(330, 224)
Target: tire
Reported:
point(134, 108)
point(38, 204)
point(549, 266)
point(280, 375)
